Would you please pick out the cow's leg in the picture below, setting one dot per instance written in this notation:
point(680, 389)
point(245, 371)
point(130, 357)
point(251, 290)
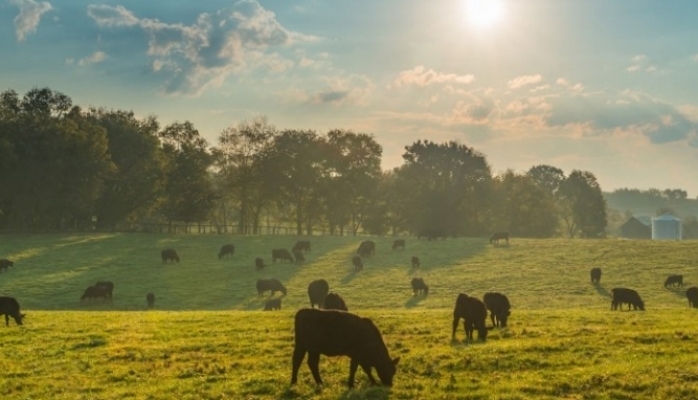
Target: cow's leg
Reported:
point(314, 364)
point(367, 370)
point(492, 318)
point(455, 326)
point(297, 359)
point(353, 365)
point(7, 320)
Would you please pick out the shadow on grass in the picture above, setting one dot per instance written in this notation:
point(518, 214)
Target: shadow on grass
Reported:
point(414, 300)
point(349, 277)
point(602, 290)
point(368, 393)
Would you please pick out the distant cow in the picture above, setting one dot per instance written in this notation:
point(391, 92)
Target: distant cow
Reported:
point(595, 275)
point(317, 290)
point(497, 236)
point(259, 263)
point(419, 287)
point(301, 245)
point(298, 255)
point(674, 280)
point(10, 307)
point(4, 264)
point(366, 248)
point(339, 333)
point(499, 307)
point(226, 250)
point(415, 262)
point(94, 292)
point(399, 244)
point(620, 296)
point(281, 254)
point(272, 304)
point(272, 285)
point(474, 313)
point(358, 264)
point(109, 286)
point(333, 301)
point(169, 255)
point(692, 296)
point(150, 298)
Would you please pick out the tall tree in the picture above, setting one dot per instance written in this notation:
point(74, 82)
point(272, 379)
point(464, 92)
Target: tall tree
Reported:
point(549, 178)
point(529, 209)
point(583, 205)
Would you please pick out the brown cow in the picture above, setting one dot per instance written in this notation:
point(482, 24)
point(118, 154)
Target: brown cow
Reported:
point(415, 262)
point(474, 313)
point(301, 245)
point(419, 287)
point(272, 285)
point(358, 264)
point(317, 290)
point(366, 248)
point(497, 236)
point(9, 306)
point(333, 301)
point(259, 263)
point(93, 292)
point(595, 275)
point(399, 244)
point(298, 255)
point(109, 286)
point(226, 250)
point(272, 304)
point(281, 254)
point(150, 298)
point(499, 307)
point(5, 264)
point(620, 296)
point(692, 296)
point(169, 255)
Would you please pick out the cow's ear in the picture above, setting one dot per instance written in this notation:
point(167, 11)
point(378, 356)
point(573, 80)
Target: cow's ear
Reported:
point(396, 360)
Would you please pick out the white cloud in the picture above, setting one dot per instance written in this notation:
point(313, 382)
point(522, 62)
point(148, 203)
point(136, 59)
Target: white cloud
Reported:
point(420, 76)
point(94, 58)
point(639, 58)
point(352, 90)
point(30, 13)
point(521, 81)
point(633, 68)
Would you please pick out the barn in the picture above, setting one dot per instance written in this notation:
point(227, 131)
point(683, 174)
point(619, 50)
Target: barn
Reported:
point(666, 227)
point(636, 228)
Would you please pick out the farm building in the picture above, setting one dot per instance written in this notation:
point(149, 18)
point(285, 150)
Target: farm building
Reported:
point(636, 228)
point(666, 227)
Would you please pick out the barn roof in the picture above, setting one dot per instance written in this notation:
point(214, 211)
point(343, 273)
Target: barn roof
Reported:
point(666, 217)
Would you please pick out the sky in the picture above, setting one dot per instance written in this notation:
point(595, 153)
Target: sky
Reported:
point(609, 87)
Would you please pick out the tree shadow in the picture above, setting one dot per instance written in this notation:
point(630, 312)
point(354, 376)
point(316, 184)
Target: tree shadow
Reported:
point(414, 300)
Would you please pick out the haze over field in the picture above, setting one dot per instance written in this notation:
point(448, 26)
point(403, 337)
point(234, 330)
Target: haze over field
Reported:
point(606, 87)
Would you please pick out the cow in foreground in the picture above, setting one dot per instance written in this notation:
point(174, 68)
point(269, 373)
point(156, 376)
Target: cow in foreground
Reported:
point(226, 251)
point(595, 274)
point(150, 298)
point(259, 263)
point(272, 304)
point(169, 255)
point(10, 307)
point(673, 281)
point(620, 296)
point(273, 285)
point(108, 286)
point(281, 254)
point(333, 301)
point(499, 307)
point(414, 261)
point(692, 296)
point(399, 244)
point(358, 264)
point(5, 264)
point(497, 236)
point(474, 313)
point(301, 245)
point(338, 333)
point(419, 287)
point(94, 292)
point(317, 290)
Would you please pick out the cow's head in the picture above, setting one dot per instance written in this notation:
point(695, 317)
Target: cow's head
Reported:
point(387, 372)
point(18, 319)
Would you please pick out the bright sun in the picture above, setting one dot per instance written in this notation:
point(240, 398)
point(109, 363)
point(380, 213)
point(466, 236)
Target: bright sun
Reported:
point(484, 13)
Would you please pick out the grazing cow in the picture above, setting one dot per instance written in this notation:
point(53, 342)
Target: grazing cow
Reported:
point(366, 248)
point(5, 263)
point(109, 286)
point(497, 236)
point(595, 275)
point(259, 263)
point(419, 287)
point(333, 301)
point(298, 255)
point(692, 296)
point(281, 254)
point(399, 244)
point(674, 280)
point(93, 292)
point(620, 296)
point(150, 298)
point(474, 313)
point(358, 264)
point(499, 307)
point(301, 245)
point(169, 255)
point(317, 290)
point(226, 250)
point(339, 333)
point(272, 285)
point(10, 307)
point(415, 262)
point(272, 304)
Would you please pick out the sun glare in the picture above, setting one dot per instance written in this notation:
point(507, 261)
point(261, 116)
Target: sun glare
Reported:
point(484, 13)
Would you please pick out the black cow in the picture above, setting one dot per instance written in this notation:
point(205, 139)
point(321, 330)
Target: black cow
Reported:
point(415, 262)
point(333, 301)
point(595, 275)
point(281, 254)
point(272, 304)
point(169, 255)
point(419, 287)
point(301, 245)
point(674, 280)
point(366, 248)
point(692, 296)
point(226, 251)
point(399, 244)
point(259, 263)
point(474, 313)
point(358, 264)
point(499, 307)
point(298, 255)
point(620, 296)
point(339, 333)
point(94, 292)
point(317, 290)
point(10, 307)
point(5, 264)
point(109, 286)
point(272, 285)
point(497, 236)
point(150, 298)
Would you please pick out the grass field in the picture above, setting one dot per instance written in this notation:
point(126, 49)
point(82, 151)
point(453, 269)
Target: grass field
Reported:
point(207, 338)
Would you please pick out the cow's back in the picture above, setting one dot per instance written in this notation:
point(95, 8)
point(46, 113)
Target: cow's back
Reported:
point(335, 333)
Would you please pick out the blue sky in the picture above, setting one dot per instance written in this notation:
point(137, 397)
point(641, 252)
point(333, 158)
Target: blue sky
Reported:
point(604, 86)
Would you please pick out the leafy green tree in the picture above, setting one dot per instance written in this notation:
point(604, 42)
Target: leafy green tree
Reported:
point(547, 177)
point(529, 209)
point(583, 205)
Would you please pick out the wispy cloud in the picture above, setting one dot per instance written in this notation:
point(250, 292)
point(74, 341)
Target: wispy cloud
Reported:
point(94, 58)
point(30, 13)
point(351, 90)
point(421, 76)
point(524, 80)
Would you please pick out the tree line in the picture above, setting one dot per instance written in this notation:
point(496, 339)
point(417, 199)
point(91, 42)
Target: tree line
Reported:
point(67, 168)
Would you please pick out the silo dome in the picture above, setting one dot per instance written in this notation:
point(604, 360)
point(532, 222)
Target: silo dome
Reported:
point(666, 227)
